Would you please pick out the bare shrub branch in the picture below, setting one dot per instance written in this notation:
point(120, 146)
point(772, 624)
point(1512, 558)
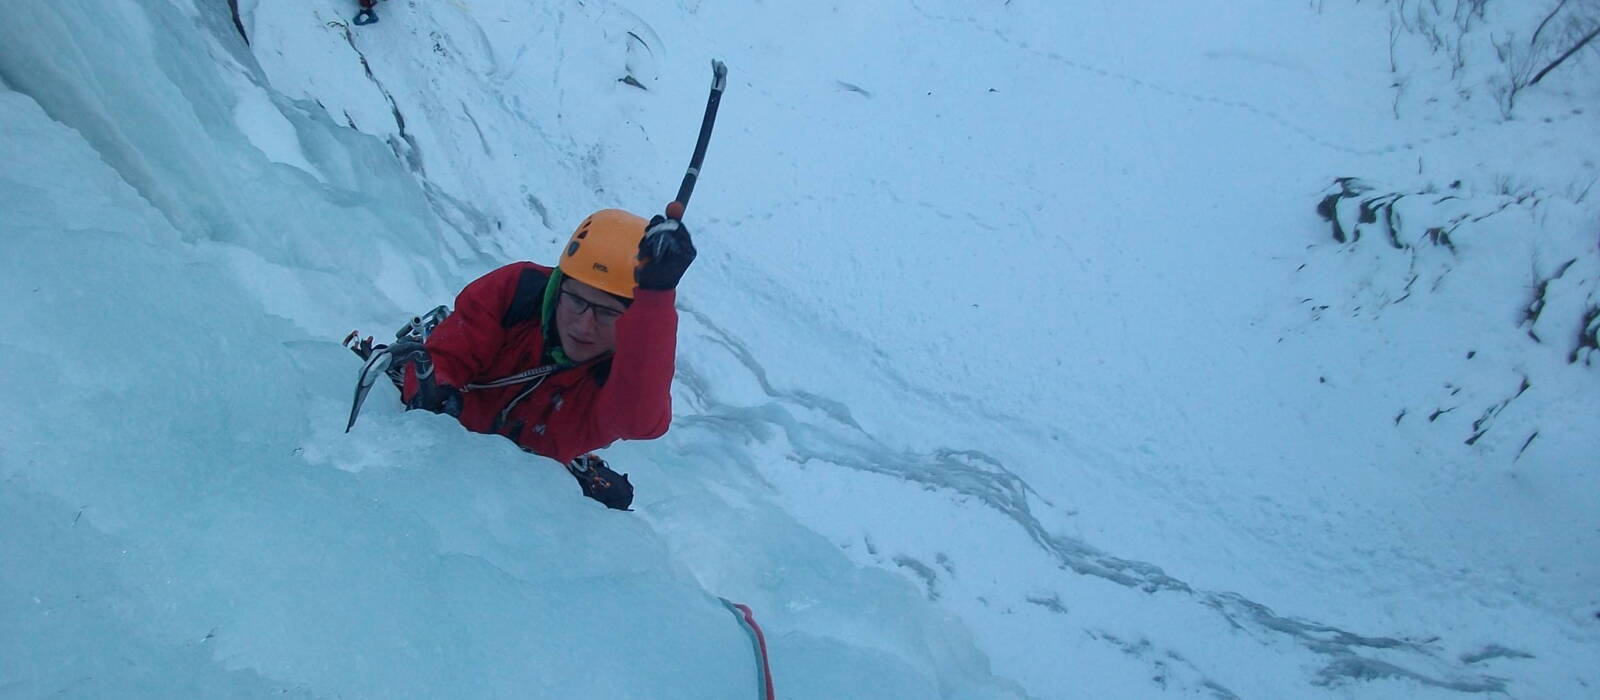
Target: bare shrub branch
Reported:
point(1575, 48)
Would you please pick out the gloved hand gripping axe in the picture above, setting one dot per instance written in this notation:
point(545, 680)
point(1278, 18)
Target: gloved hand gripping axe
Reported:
point(384, 359)
point(667, 249)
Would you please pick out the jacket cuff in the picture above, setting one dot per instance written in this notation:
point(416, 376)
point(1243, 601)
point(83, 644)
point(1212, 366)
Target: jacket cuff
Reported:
point(652, 299)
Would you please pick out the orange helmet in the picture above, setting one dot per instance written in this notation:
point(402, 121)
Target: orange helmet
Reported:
point(604, 250)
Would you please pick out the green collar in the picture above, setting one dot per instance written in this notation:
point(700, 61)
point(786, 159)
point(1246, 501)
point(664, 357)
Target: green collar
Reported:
point(547, 319)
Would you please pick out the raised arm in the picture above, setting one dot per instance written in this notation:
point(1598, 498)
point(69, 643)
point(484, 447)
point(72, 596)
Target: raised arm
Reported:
point(636, 401)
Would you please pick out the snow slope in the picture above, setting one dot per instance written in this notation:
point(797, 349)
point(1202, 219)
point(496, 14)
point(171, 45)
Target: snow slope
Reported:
point(1018, 360)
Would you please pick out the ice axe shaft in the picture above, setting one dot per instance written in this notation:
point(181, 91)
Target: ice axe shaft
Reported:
point(719, 81)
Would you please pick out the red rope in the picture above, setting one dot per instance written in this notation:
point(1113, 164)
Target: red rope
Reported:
point(749, 619)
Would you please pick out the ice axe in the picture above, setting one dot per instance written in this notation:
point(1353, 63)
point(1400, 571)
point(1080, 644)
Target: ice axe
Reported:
point(719, 81)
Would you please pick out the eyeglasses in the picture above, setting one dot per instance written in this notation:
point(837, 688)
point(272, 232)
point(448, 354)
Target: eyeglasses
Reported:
point(603, 315)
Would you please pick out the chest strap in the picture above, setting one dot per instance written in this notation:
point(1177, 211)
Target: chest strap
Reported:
point(518, 378)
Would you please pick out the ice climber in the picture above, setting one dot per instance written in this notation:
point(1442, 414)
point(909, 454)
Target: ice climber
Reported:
point(563, 360)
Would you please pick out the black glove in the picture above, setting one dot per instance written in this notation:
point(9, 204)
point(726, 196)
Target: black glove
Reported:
point(431, 395)
point(664, 254)
point(600, 483)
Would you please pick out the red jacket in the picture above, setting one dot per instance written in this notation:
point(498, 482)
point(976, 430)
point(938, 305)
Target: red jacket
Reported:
point(496, 331)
